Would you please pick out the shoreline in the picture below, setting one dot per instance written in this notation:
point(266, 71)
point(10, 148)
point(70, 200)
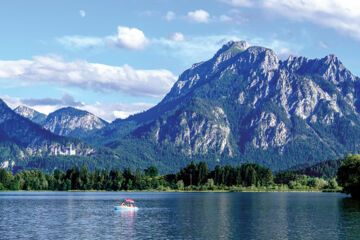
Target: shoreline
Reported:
point(184, 191)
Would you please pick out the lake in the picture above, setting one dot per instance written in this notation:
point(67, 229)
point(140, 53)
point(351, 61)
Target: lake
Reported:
point(91, 215)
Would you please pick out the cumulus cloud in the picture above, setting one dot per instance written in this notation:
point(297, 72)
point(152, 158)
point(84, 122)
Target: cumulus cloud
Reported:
point(170, 15)
point(89, 76)
point(82, 13)
point(177, 37)
point(200, 16)
point(131, 38)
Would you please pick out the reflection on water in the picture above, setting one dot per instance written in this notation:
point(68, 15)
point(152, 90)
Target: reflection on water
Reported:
point(349, 223)
point(49, 215)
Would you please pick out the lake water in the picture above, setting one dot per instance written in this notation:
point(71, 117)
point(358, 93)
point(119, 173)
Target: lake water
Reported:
point(91, 215)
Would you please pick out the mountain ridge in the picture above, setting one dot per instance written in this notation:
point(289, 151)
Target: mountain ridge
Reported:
point(243, 105)
point(66, 121)
point(31, 114)
point(248, 104)
point(74, 122)
point(22, 139)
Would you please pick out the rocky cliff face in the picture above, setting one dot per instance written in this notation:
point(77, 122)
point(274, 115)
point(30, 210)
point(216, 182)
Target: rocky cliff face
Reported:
point(245, 103)
point(21, 138)
point(73, 122)
point(31, 114)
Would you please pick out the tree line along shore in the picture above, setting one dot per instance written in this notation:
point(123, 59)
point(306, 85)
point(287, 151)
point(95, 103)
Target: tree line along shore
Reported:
point(194, 177)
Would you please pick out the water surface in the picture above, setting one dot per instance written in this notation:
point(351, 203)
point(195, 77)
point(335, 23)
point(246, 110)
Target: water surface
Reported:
point(91, 215)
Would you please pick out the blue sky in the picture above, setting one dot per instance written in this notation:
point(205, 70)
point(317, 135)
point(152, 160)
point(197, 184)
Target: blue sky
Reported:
point(115, 58)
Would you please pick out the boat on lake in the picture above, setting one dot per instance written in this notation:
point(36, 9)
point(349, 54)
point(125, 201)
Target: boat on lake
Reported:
point(127, 205)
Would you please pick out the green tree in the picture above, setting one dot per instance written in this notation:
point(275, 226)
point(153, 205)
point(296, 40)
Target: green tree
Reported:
point(116, 179)
point(180, 185)
point(333, 184)
point(84, 179)
point(210, 184)
point(5, 178)
point(151, 172)
point(349, 175)
point(203, 172)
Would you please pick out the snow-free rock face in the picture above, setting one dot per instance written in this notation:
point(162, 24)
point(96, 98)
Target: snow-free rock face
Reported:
point(246, 104)
point(31, 114)
point(73, 122)
point(20, 138)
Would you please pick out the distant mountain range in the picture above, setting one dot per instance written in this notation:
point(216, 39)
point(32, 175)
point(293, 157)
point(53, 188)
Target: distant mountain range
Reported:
point(21, 139)
point(31, 114)
point(65, 121)
point(242, 105)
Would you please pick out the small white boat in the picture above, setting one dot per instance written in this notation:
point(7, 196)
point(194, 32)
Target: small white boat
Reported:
point(127, 205)
point(121, 208)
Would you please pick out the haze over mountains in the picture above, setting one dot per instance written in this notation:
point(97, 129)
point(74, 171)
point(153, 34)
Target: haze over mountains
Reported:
point(244, 104)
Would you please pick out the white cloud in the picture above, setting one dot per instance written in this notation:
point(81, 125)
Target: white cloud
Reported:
point(131, 38)
point(343, 16)
point(177, 37)
point(126, 38)
point(170, 15)
point(82, 13)
point(200, 16)
point(111, 111)
point(89, 76)
point(239, 3)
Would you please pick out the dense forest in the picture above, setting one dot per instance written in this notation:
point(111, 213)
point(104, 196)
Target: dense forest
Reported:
point(327, 169)
point(194, 177)
point(349, 175)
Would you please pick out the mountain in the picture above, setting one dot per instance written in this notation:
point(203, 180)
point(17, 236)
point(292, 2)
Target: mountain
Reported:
point(21, 139)
point(72, 122)
point(65, 121)
point(31, 114)
point(247, 105)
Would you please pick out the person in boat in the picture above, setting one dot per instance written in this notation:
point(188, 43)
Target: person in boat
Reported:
point(123, 204)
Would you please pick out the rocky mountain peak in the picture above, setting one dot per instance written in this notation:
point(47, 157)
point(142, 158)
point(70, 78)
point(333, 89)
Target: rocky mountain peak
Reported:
point(31, 139)
point(331, 59)
point(70, 111)
point(70, 121)
point(31, 114)
point(228, 51)
point(233, 47)
point(25, 109)
point(246, 102)
point(259, 57)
